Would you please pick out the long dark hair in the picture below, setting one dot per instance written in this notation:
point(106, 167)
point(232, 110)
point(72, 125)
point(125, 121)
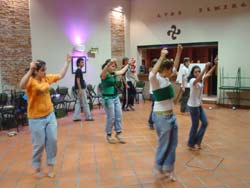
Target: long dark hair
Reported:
point(191, 75)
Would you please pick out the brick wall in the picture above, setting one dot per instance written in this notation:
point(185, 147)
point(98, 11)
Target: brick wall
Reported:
point(117, 36)
point(15, 42)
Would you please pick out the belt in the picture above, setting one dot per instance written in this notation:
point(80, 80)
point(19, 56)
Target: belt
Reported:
point(164, 113)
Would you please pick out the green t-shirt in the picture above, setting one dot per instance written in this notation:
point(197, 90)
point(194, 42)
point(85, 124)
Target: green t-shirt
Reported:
point(109, 86)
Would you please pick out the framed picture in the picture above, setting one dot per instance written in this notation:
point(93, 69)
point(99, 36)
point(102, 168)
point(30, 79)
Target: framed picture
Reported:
point(74, 66)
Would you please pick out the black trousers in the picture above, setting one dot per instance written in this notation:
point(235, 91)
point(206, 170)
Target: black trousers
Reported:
point(128, 95)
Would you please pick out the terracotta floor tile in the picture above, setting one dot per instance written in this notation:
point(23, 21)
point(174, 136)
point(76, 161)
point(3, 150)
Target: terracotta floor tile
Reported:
point(86, 160)
point(193, 183)
point(129, 180)
point(110, 182)
point(88, 175)
point(211, 181)
point(125, 172)
point(229, 180)
point(70, 183)
point(26, 185)
point(152, 185)
point(88, 183)
point(241, 185)
point(8, 185)
point(131, 186)
point(46, 184)
point(170, 184)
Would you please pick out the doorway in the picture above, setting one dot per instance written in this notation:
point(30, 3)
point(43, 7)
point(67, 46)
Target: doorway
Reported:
point(201, 52)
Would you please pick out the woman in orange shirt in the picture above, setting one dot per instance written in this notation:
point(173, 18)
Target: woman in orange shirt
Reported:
point(42, 120)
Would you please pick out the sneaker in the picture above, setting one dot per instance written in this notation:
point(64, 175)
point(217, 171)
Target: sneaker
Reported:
point(77, 120)
point(110, 140)
point(119, 138)
point(125, 109)
point(151, 126)
point(90, 119)
point(131, 107)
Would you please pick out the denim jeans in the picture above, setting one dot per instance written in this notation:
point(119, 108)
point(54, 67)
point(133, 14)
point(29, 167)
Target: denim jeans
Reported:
point(196, 134)
point(44, 135)
point(150, 119)
point(84, 101)
point(167, 131)
point(113, 112)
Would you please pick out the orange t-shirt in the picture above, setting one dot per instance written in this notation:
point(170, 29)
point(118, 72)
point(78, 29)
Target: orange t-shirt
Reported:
point(39, 100)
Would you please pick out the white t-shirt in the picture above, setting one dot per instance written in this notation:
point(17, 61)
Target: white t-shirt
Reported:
point(160, 84)
point(185, 73)
point(195, 93)
point(130, 76)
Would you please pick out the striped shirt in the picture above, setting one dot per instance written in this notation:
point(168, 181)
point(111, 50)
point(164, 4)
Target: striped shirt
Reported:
point(163, 92)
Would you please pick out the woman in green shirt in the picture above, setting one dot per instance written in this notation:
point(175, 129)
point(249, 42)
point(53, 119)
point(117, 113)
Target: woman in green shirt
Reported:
point(112, 105)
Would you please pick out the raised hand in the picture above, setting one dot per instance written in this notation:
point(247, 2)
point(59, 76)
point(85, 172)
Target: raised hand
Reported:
point(216, 60)
point(131, 61)
point(164, 52)
point(179, 47)
point(33, 66)
point(68, 58)
point(208, 64)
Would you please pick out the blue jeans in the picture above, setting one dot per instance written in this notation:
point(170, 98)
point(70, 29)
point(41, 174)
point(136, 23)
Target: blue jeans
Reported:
point(84, 101)
point(150, 119)
point(44, 135)
point(167, 131)
point(196, 134)
point(113, 112)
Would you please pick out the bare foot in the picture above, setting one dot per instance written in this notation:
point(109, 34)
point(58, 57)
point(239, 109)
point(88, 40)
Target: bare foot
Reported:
point(199, 146)
point(51, 173)
point(39, 174)
point(171, 176)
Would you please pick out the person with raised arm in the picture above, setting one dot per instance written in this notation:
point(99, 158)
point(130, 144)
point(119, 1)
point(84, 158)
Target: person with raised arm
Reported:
point(197, 113)
point(41, 117)
point(184, 85)
point(112, 105)
point(164, 118)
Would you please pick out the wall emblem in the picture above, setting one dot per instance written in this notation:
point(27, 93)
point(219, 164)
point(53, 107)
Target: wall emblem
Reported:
point(173, 32)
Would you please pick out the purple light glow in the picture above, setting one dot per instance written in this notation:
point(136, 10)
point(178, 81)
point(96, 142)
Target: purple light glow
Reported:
point(78, 53)
point(77, 34)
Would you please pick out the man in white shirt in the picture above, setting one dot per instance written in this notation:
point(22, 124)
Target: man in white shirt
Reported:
point(185, 85)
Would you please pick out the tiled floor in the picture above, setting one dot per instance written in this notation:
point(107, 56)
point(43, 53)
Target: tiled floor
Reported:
point(85, 160)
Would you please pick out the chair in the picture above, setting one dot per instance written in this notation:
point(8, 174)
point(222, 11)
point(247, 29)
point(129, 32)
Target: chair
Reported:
point(60, 105)
point(65, 96)
point(229, 84)
point(139, 87)
point(93, 95)
point(8, 112)
point(19, 100)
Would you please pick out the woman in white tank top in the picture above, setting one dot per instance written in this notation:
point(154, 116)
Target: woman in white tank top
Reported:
point(197, 113)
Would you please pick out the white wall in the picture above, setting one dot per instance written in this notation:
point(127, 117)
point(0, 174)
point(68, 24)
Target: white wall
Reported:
point(55, 23)
point(229, 27)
